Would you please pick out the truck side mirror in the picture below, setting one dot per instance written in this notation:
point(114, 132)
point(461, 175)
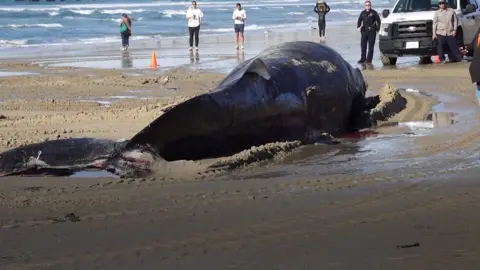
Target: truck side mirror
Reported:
point(385, 13)
point(469, 8)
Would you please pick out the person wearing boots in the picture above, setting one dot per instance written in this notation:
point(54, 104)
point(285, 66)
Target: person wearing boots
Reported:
point(368, 25)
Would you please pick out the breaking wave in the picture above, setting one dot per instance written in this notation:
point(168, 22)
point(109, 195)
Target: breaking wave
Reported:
point(76, 23)
point(41, 25)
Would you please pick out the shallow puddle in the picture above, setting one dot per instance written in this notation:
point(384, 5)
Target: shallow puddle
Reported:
point(139, 91)
point(109, 100)
point(105, 103)
point(16, 73)
point(131, 63)
point(130, 97)
point(94, 174)
point(374, 151)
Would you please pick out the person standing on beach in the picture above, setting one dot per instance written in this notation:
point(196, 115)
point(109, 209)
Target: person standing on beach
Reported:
point(368, 25)
point(194, 18)
point(239, 16)
point(321, 8)
point(445, 23)
point(125, 30)
point(474, 68)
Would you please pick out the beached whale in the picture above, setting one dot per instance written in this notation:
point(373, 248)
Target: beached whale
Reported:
point(292, 91)
point(59, 157)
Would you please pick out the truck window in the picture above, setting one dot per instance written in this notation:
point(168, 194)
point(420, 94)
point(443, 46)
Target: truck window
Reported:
point(420, 5)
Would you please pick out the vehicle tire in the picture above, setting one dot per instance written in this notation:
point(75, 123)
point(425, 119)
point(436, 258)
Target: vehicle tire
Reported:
point(425, 60)
point(388, 61)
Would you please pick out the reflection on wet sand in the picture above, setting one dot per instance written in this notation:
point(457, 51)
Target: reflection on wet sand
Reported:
point(432, 120)
point(127, 61)
point(367, 66)
point(441, 119)
point(194, 58)
point(370, 66)
point(240, 56)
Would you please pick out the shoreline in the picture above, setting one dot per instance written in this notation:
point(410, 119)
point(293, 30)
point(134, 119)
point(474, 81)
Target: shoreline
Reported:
point(292, 27)
point(217, 50)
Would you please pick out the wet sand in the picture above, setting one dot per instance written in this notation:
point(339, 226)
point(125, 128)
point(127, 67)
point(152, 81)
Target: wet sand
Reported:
point(216, 52)
point(406, 198)
point(253, 225)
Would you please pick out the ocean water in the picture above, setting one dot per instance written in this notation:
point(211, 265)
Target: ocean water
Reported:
point(44, 23)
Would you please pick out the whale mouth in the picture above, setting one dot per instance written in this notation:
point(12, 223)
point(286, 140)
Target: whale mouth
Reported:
point(132, 163)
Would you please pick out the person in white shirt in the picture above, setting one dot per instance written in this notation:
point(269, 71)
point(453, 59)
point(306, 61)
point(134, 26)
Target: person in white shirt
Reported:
point(239, 16)
point(194, 19)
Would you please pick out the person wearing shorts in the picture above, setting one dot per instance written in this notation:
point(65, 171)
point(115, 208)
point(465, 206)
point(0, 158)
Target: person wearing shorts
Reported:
point(239, 16)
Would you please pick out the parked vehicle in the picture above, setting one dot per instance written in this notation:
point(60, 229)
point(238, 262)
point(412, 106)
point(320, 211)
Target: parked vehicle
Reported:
point(407, 29)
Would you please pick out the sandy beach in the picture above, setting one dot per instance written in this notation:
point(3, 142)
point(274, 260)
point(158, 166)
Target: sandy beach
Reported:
point(404, 198)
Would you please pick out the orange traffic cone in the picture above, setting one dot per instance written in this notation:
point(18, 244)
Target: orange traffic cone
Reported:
point(436, 59)
point(153, 61)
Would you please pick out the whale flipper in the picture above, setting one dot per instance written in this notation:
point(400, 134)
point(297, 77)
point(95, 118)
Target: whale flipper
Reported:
point(259, 67)
point(254, 65)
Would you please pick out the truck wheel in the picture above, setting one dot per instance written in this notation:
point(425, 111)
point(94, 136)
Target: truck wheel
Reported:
point(387, 61)
point(425, 60)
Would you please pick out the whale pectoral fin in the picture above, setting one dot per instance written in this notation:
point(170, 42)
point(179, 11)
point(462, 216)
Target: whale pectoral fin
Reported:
point(259, 67)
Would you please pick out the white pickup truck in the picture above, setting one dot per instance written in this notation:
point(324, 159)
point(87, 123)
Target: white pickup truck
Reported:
point(407, 29)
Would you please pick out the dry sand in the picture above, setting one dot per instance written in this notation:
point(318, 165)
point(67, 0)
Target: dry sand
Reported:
point(54, 104)
point(420, 216)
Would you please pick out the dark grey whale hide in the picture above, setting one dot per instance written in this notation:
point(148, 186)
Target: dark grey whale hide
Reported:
point(291, 91)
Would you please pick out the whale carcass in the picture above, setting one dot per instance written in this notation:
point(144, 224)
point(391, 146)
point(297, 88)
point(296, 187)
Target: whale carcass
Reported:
point(291, 91)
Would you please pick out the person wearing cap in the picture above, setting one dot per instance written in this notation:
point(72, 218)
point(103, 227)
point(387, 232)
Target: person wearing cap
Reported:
point(125, 30)
point(368, 24)
point(445, 23)
point(321, 8)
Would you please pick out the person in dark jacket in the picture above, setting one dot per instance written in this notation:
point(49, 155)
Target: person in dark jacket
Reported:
point(475, 64)
point(321, 8)
point(368, 24)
